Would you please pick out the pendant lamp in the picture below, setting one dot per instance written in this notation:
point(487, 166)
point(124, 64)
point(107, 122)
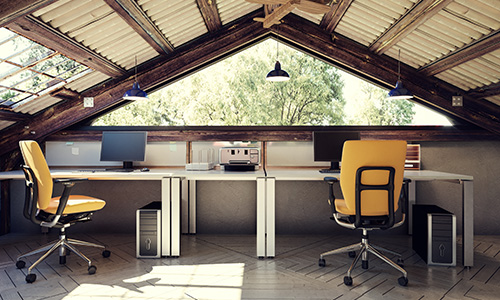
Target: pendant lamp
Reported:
point(277, 74)
point(399, 92)
point(135, 93)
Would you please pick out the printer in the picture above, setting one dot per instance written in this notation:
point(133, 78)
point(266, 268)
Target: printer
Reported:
point(239, 158)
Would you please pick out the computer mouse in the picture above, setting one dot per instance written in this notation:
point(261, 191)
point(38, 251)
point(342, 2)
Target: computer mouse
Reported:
point(144, 170)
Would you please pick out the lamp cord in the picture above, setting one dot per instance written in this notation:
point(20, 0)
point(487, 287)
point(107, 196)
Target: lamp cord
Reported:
point(136, 68)
point(399, 65)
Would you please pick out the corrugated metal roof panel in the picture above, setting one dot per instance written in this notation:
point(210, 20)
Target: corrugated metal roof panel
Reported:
point(180, 21)
point(494, 99)
point(87, 81)
point(230, 10)
point(366, 20)
point(94, 24)
point(39, 104)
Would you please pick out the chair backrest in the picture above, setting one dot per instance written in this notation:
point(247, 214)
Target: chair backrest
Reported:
point(33, 158)
point(367, 153)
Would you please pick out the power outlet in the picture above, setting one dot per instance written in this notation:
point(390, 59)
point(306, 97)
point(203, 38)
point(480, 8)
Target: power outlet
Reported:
point(457, 101)
point(88, 102)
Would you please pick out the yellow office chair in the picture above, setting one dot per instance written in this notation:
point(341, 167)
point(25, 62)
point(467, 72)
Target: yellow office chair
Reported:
point(371, 179)
point(58, 212)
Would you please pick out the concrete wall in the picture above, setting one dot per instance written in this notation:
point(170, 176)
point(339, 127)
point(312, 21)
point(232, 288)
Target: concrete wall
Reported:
point(301, 207)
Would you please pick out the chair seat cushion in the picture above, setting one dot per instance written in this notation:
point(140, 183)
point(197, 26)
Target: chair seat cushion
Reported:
point(76, 204)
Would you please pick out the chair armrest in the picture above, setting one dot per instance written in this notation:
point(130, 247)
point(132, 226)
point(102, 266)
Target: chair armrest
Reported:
point(404, 195)
point(68, 180)
point(331, 195)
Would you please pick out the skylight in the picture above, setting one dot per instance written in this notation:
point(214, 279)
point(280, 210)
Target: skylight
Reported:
point(29, 70)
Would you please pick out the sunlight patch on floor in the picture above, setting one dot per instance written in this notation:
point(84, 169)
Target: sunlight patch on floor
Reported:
point(210, 281)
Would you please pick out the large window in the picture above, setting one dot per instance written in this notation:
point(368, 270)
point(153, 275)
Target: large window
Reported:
point(234, 92)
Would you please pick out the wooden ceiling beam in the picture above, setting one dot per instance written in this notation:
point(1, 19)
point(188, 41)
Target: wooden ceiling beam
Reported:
point(382, 70)
point(175, 65)
point(485, 91)
point(12, 10)
point(420, 13)
point(134, 16)
point(8, 115)
point(210, 14)
point(36, 30)
point(332, 18)
point(469, 52)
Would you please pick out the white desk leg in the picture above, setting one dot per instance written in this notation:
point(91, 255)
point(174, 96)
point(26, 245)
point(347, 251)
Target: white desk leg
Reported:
point(185, 207)
point(468, 222)
point(412, 199)
point(192, 206)
point(165, 217)
point(270, 216)
point(175, 214)
point(261, 217)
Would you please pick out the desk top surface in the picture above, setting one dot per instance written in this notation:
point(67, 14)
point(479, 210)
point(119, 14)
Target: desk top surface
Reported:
point(290, 174)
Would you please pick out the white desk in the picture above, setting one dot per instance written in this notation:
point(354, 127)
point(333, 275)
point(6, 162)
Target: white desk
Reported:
point(170, 197)
point(465, 181)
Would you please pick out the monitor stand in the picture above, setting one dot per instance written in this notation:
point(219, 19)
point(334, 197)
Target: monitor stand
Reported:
point(128, 166)
point(334, 168)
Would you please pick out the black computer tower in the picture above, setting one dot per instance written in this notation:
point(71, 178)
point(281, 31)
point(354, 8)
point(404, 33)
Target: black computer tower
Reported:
point(148, 235)
point(434, 235)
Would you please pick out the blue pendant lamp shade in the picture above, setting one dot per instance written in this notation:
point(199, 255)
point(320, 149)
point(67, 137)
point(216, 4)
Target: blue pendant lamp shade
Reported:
point(277, 74)
point(399, 92)
point(135, 93)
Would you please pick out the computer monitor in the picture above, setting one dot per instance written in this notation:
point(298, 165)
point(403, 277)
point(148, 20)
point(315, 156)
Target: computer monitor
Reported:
point(328, 147)
point(125, 146)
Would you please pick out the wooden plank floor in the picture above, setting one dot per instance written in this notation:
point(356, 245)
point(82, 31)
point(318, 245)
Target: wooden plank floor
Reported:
point(225, 267)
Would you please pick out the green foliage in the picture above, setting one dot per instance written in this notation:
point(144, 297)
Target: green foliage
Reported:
point(375, 109)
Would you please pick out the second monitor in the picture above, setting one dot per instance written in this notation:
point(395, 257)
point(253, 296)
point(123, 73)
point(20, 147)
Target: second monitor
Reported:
point(328, 147)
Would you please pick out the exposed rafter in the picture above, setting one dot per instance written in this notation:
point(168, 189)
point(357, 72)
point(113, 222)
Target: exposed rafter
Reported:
point(64, 93)
point(485, 91)
point(131, 13)
point(382, 70)
point(172, 66)
point(7, 115)
point(44, 34)
point(11, 10)
point(420, 13)
point(209, 12)
point(471, 51)
point(332, 18)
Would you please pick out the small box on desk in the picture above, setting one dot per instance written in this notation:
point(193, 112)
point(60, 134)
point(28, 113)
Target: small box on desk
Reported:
point(148, 227)
point(434, 235)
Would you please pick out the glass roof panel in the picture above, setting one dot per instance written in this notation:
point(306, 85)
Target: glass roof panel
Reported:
point(28, 69)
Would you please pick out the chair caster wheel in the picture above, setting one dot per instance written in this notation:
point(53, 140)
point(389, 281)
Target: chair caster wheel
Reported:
point(106, 253)
point(62, 260)
point(30, 278)
point(364, 264)
point(403, 281)
point(20, 264)
point(352, 254)
point(348, 280)
point(321, 262)
point(400, 262)
point(92, 270)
